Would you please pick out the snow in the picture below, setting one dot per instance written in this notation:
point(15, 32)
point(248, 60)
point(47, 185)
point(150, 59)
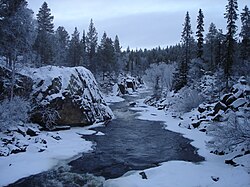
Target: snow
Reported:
point(239, 102)
point(43, 77)
point(113, 99)
point(69, 147)
point(212, 172)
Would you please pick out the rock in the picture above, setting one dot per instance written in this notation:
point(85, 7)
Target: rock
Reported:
point(203, 130)
point(231, 162)
point(4, 151)
point(161, 107)
point(14, 149)
point(242, 80)
point(214, 178)
point(56, 137)
point(31, 132)
point(196, 124)
point(225, 97)
point(230, 100)
point(70, 96)
point(132, 104)
point(201, 109)
point(22, 87)
point(21, 130)
point(219, 106)
point(143, 175)
point(218, 118)
point(122, 88)
point(60, 128)
point(238, 103)
point(131, 84)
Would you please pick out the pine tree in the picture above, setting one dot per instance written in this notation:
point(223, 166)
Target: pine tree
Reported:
point(44, 41)
point(245, 34)
point(106, 53)
point(119, 63)
point(17, 29)
point(74, 57)
point(117, 45)
point(199, 34)
point(62, 46)
point(186, 38)
point(231, 16)
point(84, 48)
point(91, 45)
point(219, 47)
point(211, 44)
point(181, 77)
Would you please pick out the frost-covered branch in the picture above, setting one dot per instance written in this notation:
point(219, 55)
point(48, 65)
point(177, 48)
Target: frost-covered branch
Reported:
point(160, 77)
point(13, 112)
point(234, 133)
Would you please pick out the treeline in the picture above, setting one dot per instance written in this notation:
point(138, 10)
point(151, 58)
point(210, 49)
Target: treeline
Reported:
point(36, 41)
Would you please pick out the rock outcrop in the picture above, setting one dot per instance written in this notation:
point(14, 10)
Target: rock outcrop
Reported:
point(69, 96)
point(128, 84)
point(59, 95)
point(236, 101)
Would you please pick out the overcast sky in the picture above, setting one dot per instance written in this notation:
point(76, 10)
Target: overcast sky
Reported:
point(138, 23)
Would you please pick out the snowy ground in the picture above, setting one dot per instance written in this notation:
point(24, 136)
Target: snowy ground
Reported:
point(17, 166)
point(211, 173)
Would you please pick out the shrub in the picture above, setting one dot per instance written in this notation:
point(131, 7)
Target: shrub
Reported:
point(13, 112)
point(233, 133)
point(47, 116)
point(159, 77)
point(187, 100)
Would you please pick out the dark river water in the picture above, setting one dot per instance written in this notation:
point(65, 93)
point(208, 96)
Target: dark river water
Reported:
point(128, 144)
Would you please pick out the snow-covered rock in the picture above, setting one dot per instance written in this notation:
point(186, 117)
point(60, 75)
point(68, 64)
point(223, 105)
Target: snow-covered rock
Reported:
point(128, 84)
point(72, 92)
point(236, 101)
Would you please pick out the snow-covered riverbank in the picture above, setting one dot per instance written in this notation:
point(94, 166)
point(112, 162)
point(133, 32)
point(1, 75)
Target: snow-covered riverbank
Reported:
point(62, 146)
point(212, 172)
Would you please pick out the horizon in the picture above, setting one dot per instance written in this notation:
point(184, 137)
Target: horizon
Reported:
point(137, 26)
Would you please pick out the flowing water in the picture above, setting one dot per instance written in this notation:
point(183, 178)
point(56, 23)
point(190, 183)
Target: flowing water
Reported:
point(128, 144)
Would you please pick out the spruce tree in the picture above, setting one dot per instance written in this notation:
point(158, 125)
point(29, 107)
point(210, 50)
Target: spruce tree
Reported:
point(211, 44)
point(91, 45)
point(83, 48)
point(186, 39)
point(16, 29)
point(62, 46)
point(106, 54)
point(117, 45)
point(245, 34)
point(231, 16)
point(181, 77)
point(74, 57)
point(199, 34)
point(44, 41)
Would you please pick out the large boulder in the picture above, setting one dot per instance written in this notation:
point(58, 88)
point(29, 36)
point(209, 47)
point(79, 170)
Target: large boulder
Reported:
point(128, 84)
point(22, 85)
point(70, 93)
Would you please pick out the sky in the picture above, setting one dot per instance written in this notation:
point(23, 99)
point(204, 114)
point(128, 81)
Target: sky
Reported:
point(138, 23)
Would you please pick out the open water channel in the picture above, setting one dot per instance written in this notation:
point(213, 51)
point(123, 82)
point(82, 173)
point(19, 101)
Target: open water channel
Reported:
point(128, 144)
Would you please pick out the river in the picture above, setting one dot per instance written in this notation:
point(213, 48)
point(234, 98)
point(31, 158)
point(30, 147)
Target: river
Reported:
point(128, 144)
